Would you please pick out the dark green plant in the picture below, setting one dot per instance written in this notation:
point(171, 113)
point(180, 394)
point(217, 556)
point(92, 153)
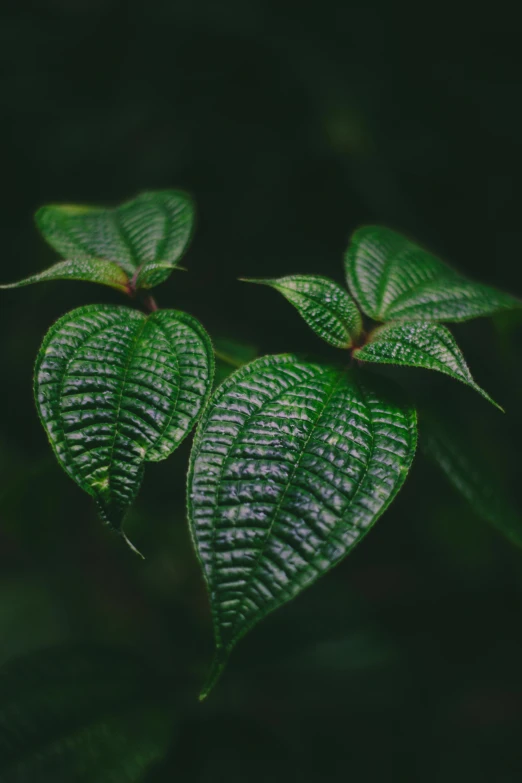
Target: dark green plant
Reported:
point(293, 461)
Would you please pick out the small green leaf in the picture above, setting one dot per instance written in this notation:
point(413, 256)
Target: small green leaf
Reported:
point(292, 464)
point(468, 469)
point(324, 305)
point(417, 344)
point(145, 237)
point(82, 715)
point(393, 278)
point(114, 389)
point(91, 270)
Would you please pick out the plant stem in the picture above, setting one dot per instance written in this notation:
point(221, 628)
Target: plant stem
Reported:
point(149, 303)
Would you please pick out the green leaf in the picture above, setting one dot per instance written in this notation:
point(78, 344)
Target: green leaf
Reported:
point(145, 237)
point(324, 305)
point(90, 270)
point(393, 278)
point(114, 389)
point(82, 715)
point(471, 472)
point(292, 464)
point(418, 344)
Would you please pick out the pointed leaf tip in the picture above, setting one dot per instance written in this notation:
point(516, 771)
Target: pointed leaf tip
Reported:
point(90, 271)
point(419, 344)
point(217, 668)
point(325, 306)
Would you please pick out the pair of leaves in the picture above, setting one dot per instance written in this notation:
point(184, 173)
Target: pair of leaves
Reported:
point(392, 279)
point(294, 462)
point(134, 246)
point(82, 715)
point(115, 389)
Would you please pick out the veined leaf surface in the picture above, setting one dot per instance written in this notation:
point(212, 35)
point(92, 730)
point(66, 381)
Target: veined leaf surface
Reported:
point(114, 389)
point(82, 715)
point(89, 270)
point(324, 305)
point(393, 278)
point(145, 237)
point(417, 344)
point(292, 464)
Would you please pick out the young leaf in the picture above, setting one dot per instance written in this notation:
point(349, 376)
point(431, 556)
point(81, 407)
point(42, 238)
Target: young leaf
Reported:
point(82, 715)
point(114, 389)
point(324, 305)
point(90, 270)
point(145, 237)
point(472, 475)
point(393, 278)
point(292, 464)
point(418, 344)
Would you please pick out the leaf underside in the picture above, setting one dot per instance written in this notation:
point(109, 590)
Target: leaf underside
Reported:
point(471, 473)
point(393, 278)
point(324, 305)
point(81, 715)
point(114, 389)
point(417, 344)
point(292, 464)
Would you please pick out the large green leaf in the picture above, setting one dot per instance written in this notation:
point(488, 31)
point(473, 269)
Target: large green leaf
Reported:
point(324, 305)
point(82, 715)
point(292, 464)
point(115, 388)
point(392, 277)
point(469, 468)
point(90, 270)
point(145, 237)
point(418, 344)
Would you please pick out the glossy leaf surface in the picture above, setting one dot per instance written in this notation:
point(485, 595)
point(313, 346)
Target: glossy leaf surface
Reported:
point(91, 271)
point(324, 305)
point(393, 278)
point(81, 715)
point(472, 474)
point(114, 389)
point(292, 464)
point(416, 344)
point(145, 237)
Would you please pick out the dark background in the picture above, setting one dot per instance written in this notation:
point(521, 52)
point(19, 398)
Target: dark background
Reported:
point(292, 123)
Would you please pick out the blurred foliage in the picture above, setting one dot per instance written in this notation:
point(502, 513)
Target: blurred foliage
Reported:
point(291, 124)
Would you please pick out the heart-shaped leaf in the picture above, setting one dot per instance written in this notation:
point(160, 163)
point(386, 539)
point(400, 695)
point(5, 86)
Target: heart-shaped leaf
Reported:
point(145, 237)
point(418, 344)
point(82, 715)
point(292, 464)
point(114, 389)
point(324, 305)
point(393, 278)
point(89, 270)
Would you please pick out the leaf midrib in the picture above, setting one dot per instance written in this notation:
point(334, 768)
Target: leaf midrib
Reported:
point(256, 565)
